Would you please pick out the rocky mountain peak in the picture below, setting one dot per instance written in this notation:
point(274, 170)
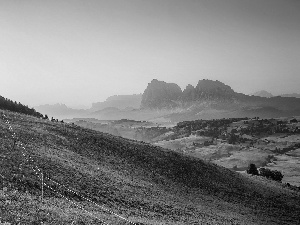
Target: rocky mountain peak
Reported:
point(207, 90)
point(160, 94)
point(215, 90)
point(188, 93)
point(210, 85)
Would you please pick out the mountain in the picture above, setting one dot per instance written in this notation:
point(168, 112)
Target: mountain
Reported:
point(118, 101)
point(60, 111)
point(208, 90)
point(264, 94)
point(213, 100)
point(89, 177)
point(160, 94)
point(166, 102)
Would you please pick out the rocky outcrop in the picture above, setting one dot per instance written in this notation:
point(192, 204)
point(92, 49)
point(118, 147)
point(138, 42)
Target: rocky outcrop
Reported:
point(213, 90)
point(214, 99)
point(189, 93)
point(160, 94)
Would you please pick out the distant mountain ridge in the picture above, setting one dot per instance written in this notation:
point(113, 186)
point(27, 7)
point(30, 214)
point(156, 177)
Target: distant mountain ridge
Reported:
point(267, 94)
point(60, 111)
point(293, 95)
point(263, 93)
point(113, 107)
point(118, 101)
point(213, 99)
point(162, 101)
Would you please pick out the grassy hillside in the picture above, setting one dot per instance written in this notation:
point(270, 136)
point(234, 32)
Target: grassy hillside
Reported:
point(143, 183)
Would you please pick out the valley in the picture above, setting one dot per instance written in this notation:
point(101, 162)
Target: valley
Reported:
point(233, 143)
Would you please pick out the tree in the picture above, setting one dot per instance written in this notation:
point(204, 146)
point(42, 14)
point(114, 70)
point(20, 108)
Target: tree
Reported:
point(273, 174)
point(252, 169)
point(265, 172)
point(232, 139)
point(277, 175)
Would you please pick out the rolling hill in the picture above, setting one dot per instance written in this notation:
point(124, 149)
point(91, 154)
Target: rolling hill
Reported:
point(133, 182)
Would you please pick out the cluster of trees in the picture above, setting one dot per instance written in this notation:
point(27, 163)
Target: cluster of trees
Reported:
point(217, 128)
point(211, 128)
point(8, 104)
point(201, 124)
point(265, 172)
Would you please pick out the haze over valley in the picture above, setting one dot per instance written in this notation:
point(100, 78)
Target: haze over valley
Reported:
point(168, 102)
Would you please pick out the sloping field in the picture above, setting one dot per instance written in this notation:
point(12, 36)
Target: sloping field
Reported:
point(136, 183)
point(181, 143)
point(223, 154)
point(242, 159)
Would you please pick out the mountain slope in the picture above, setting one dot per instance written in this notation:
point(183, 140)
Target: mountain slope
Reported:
point(141, 182)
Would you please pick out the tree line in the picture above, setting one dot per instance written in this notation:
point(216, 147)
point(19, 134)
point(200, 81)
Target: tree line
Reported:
point(8, 104)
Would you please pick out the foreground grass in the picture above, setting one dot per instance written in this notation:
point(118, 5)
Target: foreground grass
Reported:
point(23, 208)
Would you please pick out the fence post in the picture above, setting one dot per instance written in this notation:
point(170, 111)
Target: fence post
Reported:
point(42, 187)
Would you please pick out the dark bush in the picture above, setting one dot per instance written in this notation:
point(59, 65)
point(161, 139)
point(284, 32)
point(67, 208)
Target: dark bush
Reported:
point(265, 172)
point(271, 174)
point(252, 169)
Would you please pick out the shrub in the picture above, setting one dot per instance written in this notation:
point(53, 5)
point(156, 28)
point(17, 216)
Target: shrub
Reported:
point(273, 174)
point(252, 169)
point(265, 172)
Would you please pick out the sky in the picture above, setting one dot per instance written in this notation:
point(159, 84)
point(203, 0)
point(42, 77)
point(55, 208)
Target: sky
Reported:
point(78, 52)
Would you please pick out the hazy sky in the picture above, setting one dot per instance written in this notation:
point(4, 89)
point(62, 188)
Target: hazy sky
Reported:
point(82, 51)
